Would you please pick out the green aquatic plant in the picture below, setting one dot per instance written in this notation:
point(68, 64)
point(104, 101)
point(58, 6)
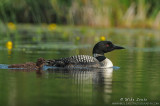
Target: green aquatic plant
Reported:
point(96, 13)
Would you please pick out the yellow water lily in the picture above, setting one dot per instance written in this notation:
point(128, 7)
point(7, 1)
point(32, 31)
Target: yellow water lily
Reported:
point(102, 38)
point(9, 45)
point(52, 26)
point(77, 38)
point(11, 26)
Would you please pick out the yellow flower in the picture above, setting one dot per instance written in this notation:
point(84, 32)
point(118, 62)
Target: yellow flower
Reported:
point(103, 38)
point(9, 45)
point(77, 38)
point(52, 26)
point(11, 26)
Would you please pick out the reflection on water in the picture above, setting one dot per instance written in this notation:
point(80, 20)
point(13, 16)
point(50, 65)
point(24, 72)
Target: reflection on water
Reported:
point(101, 78)
point(80, 85)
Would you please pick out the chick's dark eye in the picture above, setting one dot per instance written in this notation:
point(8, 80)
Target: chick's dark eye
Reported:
point(107, 45)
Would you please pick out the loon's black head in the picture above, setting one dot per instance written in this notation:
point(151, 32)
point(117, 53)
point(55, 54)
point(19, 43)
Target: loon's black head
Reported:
point(104, 47)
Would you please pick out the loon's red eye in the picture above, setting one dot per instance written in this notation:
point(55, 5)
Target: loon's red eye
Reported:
point(107, 45)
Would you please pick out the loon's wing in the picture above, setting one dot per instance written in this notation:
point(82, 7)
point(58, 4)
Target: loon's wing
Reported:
point(74, 61)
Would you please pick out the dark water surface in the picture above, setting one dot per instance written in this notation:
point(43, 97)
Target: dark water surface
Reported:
point(136, 82)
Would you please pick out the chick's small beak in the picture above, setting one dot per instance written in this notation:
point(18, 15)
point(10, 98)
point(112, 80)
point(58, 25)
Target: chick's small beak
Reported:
point(118, 47)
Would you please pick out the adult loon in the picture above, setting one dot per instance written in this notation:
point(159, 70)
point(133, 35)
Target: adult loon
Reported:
point(98, 59)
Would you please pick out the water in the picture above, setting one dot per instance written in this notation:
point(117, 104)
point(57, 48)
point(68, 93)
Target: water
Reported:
point(134, 80)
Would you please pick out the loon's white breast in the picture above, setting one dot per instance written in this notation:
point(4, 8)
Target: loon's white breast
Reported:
point(103, 61)
point(106, 63)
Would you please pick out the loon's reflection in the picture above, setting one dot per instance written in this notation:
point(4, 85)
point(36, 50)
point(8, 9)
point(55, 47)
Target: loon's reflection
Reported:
point(99, 79)
point(97, 76)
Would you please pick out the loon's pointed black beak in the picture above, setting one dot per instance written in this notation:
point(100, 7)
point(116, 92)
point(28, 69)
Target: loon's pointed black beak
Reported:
point(118, 47)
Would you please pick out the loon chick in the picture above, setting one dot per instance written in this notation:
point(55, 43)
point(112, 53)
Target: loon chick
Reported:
point(29, 65)
point(98, 59)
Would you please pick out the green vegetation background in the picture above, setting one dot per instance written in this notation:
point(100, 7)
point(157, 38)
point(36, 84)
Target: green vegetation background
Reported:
point(99, 13)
